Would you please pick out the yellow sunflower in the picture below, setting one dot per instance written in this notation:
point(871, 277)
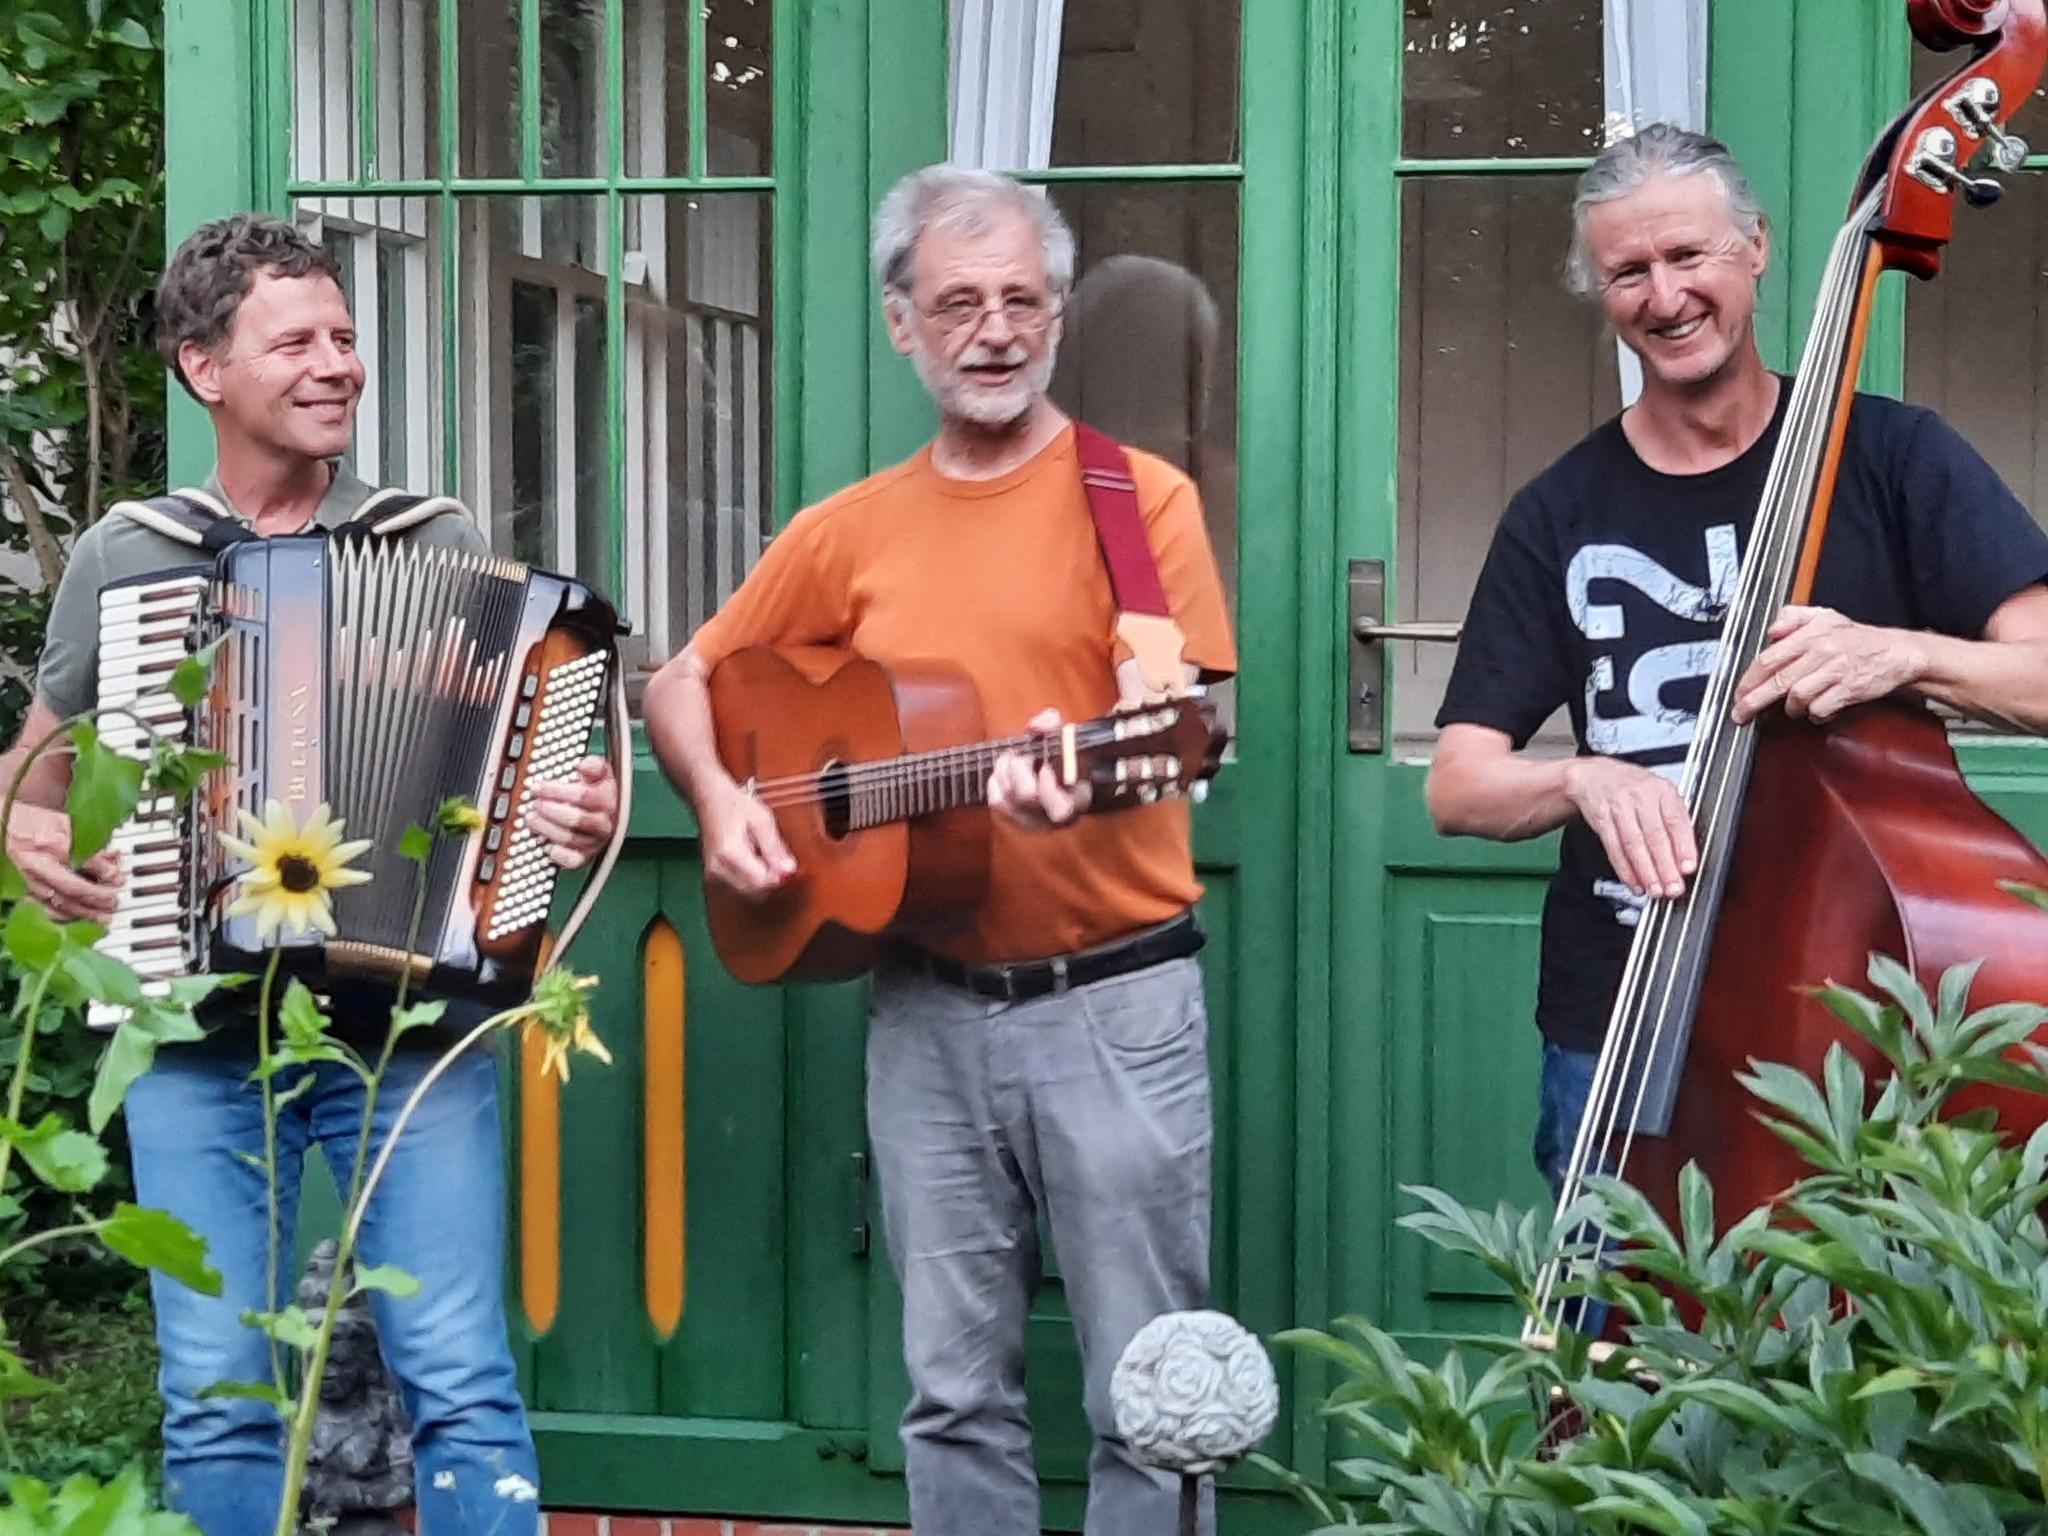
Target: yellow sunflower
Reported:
point(293, 870)
point(561, 1015)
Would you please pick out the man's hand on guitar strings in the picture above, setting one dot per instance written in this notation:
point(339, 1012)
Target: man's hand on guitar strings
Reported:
point(576, 815)
point(743, 847)
point(1034, 796)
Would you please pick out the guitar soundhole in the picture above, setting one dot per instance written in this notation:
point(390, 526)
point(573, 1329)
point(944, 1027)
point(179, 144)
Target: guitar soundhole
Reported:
point(835, 799)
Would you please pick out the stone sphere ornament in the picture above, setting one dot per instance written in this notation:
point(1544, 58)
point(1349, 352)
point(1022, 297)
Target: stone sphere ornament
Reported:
point(1193, 1392)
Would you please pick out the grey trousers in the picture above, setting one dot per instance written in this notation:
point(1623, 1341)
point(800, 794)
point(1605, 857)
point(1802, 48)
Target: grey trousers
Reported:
point(1088, 1110)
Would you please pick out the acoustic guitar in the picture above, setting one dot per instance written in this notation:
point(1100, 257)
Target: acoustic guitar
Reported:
point(878, 778)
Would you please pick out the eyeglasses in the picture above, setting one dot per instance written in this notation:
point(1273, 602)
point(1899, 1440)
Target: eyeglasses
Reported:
point(1025, 313)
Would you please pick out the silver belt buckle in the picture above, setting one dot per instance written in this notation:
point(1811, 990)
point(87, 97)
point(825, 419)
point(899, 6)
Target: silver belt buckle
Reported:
point(1059, 975)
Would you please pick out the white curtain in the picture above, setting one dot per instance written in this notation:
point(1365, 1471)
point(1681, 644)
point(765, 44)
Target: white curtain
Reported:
point(1006, 71)
point(1656, 71)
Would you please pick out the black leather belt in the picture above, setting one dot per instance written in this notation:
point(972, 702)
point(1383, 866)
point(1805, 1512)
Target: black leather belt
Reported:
point(1024, 979)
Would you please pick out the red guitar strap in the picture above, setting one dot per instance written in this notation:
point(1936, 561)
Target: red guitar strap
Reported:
point(1144, 622)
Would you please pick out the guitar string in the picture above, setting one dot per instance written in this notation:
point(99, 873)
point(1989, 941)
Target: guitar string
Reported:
point(920, 767)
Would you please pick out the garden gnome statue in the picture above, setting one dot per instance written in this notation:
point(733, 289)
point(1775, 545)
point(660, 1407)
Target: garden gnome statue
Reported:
point(1193, 1393)
point(359, 1466)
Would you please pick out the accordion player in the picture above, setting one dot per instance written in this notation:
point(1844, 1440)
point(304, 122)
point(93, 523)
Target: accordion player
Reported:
point(379, 679)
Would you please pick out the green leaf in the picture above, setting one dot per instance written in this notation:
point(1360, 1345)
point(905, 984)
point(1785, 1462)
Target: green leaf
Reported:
point(158, 1240)
point(55, 223)
point(305, 1027)
point(416, 843)
point(290, 1327)
point(192, 676)
point(1921, 1496)
point(254, 1391)
point(133, 34)
point(388, 1278)
point(30, 938)
point(18, 1381)
point(417, 1016)
point(2033, 895)
point(104, 789)
point(101, 977)
point(132, 1052)
point(68, 1161)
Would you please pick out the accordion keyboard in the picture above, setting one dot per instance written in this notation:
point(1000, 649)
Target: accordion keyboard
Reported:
point(145, 630)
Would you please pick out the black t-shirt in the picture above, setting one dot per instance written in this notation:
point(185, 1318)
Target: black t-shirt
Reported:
point(1606, 588)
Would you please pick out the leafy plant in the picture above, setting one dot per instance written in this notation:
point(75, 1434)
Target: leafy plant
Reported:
point(1870, 1355)
point(81, 234)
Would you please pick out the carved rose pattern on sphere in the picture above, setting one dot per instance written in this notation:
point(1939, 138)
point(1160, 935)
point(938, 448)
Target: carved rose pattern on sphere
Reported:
point(1193, 1392)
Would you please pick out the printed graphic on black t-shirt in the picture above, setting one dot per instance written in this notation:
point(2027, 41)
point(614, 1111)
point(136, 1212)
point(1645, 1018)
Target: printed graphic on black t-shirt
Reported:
point(1606, 589)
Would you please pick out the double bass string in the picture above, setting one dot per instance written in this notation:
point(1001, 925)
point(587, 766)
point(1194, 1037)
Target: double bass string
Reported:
point(1717, 751)
point(1715, 776)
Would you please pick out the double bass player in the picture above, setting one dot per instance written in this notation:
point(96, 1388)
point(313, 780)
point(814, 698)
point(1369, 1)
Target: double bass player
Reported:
point(1611, 573)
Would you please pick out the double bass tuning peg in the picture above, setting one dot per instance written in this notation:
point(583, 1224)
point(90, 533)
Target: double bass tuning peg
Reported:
point(1934, 165)
point(1976, 108)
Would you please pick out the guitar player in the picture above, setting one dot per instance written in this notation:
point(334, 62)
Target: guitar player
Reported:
point(1047, 1065)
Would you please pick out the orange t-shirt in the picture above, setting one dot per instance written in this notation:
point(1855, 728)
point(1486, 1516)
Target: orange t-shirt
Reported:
point(1004, 578)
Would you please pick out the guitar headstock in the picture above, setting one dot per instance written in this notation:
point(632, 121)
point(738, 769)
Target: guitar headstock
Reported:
point(1157, 752)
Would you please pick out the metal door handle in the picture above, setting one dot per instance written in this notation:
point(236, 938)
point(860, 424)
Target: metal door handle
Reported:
point(1423, 631)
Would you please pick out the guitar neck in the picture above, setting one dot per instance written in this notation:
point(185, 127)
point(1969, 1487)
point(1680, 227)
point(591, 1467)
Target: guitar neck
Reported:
point(925, 783)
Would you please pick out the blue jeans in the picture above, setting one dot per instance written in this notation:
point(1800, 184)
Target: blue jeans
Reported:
point(1567, 1086)
point(439, 1214)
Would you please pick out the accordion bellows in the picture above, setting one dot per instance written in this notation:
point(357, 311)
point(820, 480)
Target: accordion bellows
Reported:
point(379, 679)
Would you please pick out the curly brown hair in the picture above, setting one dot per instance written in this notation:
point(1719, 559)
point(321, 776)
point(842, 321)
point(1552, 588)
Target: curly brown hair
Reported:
point(209, 276)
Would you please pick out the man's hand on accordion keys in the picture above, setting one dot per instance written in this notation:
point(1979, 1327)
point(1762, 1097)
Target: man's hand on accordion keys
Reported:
point(576, 815)
point(39, 843)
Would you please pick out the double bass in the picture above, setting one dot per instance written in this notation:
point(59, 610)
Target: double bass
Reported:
point(1820, 845)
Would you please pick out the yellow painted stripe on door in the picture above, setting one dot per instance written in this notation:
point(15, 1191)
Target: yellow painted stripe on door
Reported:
point(666, 1191)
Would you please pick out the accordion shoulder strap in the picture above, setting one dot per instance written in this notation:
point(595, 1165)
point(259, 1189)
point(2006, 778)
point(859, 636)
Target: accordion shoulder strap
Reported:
point(392, 511)
point(190, 516)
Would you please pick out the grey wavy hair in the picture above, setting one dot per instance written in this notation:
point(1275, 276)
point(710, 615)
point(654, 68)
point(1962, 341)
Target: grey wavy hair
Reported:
point(953, 197)
point(1659, 149)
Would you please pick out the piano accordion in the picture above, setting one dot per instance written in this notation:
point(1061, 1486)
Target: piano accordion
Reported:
point(379, 679)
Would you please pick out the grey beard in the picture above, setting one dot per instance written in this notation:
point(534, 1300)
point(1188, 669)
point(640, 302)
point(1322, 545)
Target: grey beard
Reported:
point(956, 402)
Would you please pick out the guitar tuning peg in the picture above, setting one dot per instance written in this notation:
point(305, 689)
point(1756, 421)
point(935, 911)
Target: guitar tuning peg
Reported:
point(1199, 792)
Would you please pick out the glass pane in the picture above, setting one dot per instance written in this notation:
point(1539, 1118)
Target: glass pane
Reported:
point(531, 366)
point(326, 116)
point(487, 64)
point(699, 405)
point(657, 88)
point(1501, 371)
point(528, 508)
point(1149, 350)
point(572, 88)
point(324, 138)
point(1977, 337)
point(1108, 82)
point(738, 99)
point(1483, 77)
